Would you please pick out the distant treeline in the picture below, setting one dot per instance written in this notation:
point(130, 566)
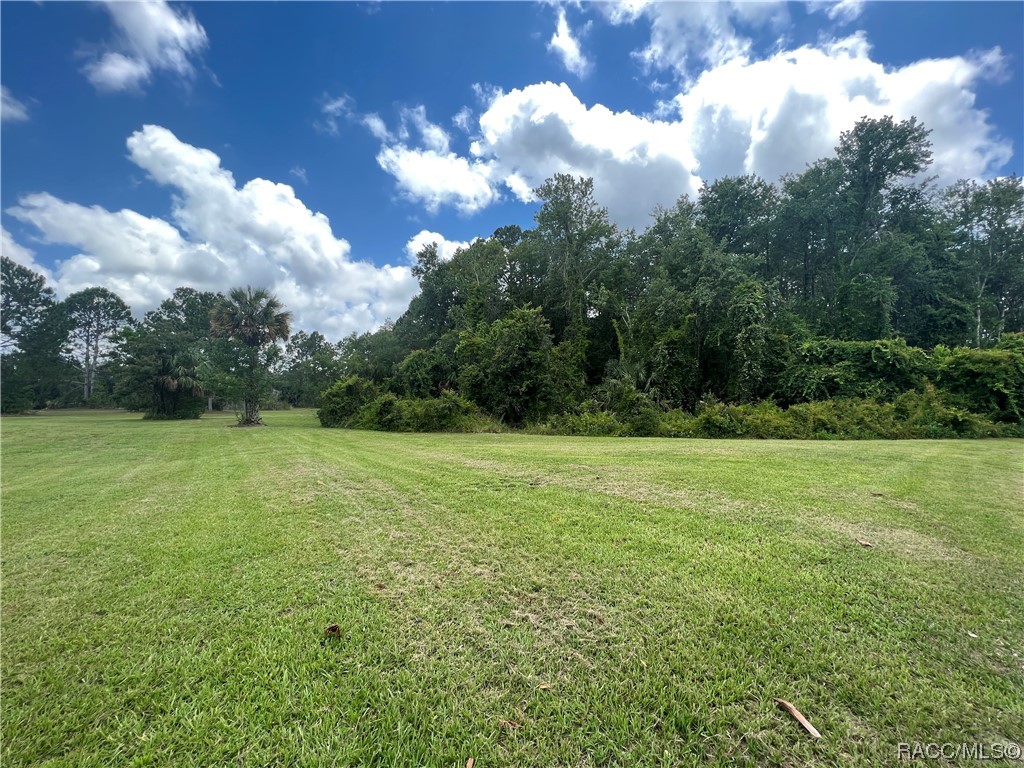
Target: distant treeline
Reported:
point(853, 299)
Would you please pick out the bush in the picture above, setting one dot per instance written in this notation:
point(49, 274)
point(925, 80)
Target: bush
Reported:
point(828, 368)
point(390, 413)
point(343, 399)
point(587, 421)
point(447, 413)
point(986, 381)
point(912, 415)
point(182, 407)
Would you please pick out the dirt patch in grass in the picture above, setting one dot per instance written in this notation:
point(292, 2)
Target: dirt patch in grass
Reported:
point(905, 542)
point(605, 480)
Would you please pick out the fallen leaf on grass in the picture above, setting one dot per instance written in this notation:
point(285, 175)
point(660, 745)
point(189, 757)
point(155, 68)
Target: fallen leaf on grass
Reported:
point(469, 763)
point(865, 544)
point(877, 494)
point(332, 631)
point(544, 686)
point(971, 634)
point(799, 718)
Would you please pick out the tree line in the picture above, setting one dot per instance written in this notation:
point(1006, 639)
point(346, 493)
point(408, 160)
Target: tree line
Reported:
point(856, 278)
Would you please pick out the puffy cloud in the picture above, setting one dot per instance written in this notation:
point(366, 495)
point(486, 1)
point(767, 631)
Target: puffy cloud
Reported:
point(11, 110)
point(567, 47)
point(222, 235)
point(151, 37)
point(530, 134)
point(435, 179)
point(774, 116)
point(445, 248)
point(431, 174)
point(769, 117)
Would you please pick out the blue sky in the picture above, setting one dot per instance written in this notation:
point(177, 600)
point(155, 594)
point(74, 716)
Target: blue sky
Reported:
point(313, 147)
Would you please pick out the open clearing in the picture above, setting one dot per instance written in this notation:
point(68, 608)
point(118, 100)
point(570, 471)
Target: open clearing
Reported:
point(518, 600)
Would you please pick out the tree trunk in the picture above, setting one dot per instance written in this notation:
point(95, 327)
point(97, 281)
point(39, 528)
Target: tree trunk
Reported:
point(252, 412)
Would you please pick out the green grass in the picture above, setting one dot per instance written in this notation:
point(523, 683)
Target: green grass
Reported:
point(519, 600)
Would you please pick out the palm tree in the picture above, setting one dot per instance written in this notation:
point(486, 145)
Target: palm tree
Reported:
point(254, 318)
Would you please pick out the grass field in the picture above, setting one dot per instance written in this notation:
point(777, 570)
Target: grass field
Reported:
point(524, 601)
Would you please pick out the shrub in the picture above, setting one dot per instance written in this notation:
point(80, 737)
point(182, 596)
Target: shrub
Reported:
point(986, 381)
point(343, 399)
point(447, 413)
point(184, 407)
point(589, 423)
point(829, 368)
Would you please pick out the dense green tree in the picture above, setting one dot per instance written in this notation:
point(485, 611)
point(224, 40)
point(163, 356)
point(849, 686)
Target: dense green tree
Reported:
point(160, 375)
point(24, 301)
point(35, 368)
point(506, 367)
point(309, 365)
point(172, 342)
point(738, 212)
point(875, 155)
point(575, 238)
point(254, 320)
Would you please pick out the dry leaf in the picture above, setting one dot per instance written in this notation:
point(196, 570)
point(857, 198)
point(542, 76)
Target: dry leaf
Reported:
point(469, 763)
point(332, 631)
point(971, 634)
point(866, 544)
point(544, 686)
point(799, 718)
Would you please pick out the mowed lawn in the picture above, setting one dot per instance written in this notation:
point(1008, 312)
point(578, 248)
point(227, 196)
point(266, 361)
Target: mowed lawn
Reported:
point(518, 600)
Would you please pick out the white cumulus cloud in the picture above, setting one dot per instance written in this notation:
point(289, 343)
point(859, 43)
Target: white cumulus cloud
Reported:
point(774, 116)
point(219, 235)
point(151, 37)
point(768, 117)
point(530, 134)
point(445, 248)
point(439, 178)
